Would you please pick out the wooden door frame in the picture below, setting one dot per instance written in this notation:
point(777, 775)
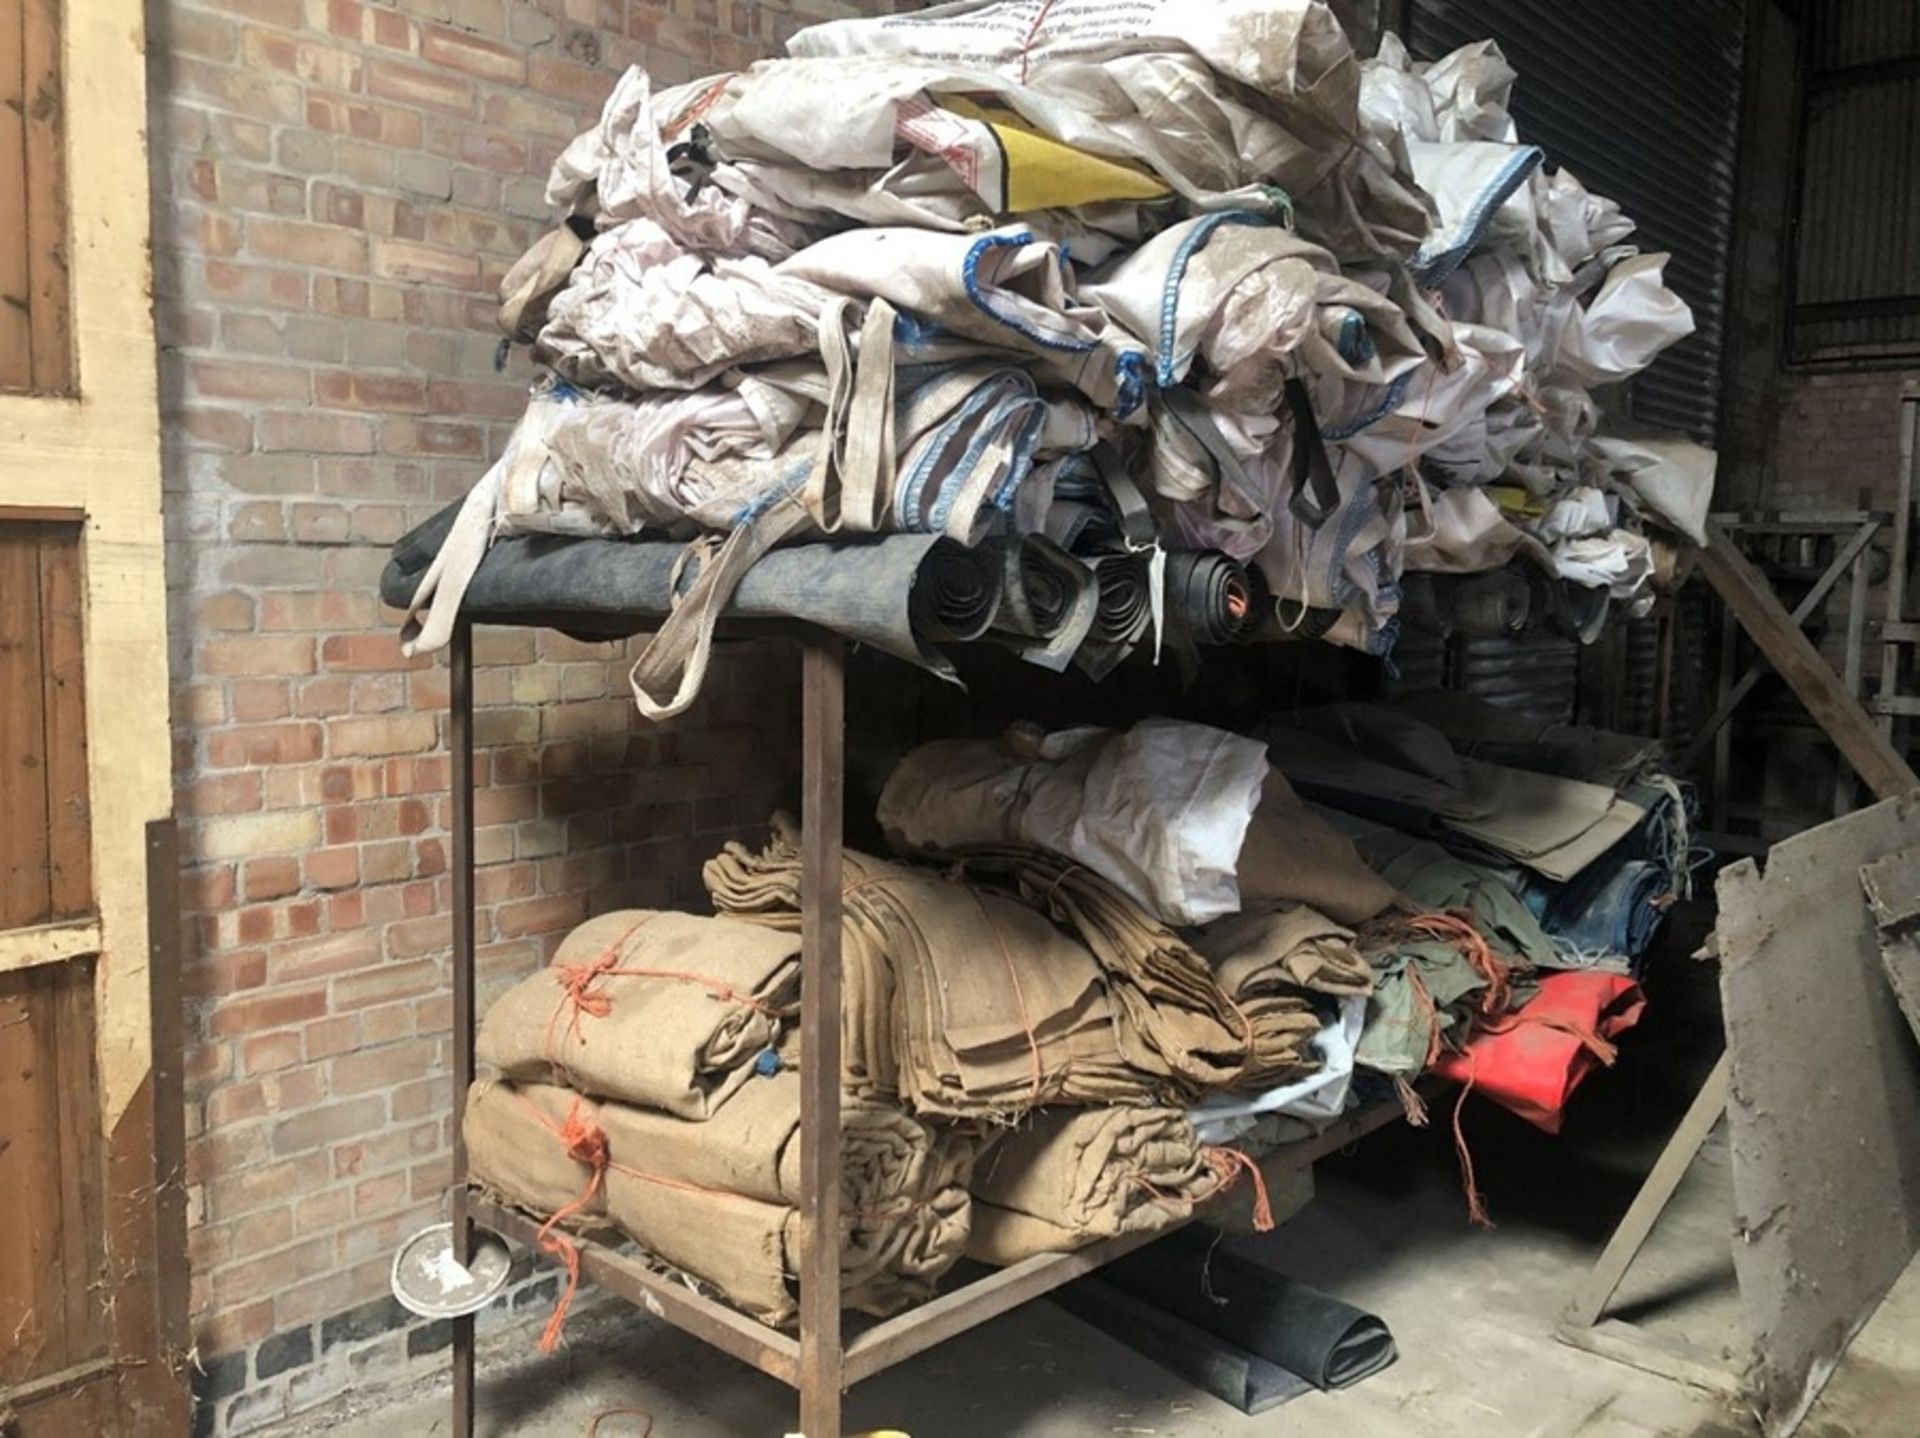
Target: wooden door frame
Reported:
point(94, 454)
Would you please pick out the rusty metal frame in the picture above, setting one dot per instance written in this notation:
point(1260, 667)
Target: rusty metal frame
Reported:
point(820, 1363)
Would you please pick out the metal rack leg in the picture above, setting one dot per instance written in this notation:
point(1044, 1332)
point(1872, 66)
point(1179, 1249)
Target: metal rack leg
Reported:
point(823, 775)
point(460, 782)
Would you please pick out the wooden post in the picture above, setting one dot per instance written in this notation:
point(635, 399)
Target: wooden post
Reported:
point(823, 776)
point(460, 781)
point(1852, 674)
point(1902, 553)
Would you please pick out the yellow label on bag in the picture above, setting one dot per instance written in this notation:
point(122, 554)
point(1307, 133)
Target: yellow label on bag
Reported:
point(1039, 172)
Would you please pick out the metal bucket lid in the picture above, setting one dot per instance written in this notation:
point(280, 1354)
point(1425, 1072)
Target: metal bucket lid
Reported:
point(430, 1281)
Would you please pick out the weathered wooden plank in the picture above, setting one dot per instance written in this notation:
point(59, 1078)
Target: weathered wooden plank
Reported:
point(25, 891)
point(64, 704)
point(49, 316)
point(1824, 1103)
point(16, 338)
point(1597, 1290)
point(50, 1173)
point(1794, 658)
point(82, 1172)
point(1893, 889)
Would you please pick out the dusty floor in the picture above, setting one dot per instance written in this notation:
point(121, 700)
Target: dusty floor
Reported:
point(1473, 1312)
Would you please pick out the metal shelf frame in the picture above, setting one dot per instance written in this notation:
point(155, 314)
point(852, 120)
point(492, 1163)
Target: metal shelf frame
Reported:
point(819, 1363)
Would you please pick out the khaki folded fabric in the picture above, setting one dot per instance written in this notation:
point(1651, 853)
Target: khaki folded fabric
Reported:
point(720, 1200)
point(987, 1009)
point(1075, 1176)
point(515, 1147)
point(1281, 948)
point(1293, 855)
point(657, 1008)
point(1178, 1024)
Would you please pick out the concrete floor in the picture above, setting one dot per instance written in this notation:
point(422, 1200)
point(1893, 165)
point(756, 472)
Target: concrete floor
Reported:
point(1473, 1312)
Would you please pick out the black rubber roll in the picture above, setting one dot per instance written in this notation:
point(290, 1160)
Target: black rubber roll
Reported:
point(1329, 1343)
point(1208, 596)
point(955, 595)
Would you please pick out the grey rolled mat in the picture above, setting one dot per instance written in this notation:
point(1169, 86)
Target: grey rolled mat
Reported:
point(1232, 1327)
point(1121, 617)
point(864, 591)
point(1048, 602)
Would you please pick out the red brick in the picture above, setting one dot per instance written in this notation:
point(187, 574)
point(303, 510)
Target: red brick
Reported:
point(329, 1124)
point(267, 1275)
point(332, 868)
point(220, 794)
point(266, 1011)
point(458, 50)
point(416, 85)
point(216, 379)
point(388, 734)
point(258, 700)
point(385, 984)
point(254, 654)
point(272, 878)
point(295, 242)
point(314, 431)
point(382, 1068)
point(322, 957)
point(264, 744)
point(368, 652)
point(540, 916)
point(345, 389)
point(263, 1053)
point(429, 264)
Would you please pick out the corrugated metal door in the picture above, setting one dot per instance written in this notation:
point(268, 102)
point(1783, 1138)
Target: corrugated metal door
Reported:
point(1641, 100)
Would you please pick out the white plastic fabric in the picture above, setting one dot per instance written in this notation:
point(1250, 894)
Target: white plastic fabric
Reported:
point(1317, 1099)
point(1670, 477)
point(1159, 811)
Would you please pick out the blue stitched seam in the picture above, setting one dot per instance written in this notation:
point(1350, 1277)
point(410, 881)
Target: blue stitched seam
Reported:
point(970, 278)
point(767, 498)
point(1021, 463)
point(1432, 270)
point(1131, 390)
point(1356, 340)
point(1352, 520)
point(1396, 391)
point(1176, 271)
point(1003, 408)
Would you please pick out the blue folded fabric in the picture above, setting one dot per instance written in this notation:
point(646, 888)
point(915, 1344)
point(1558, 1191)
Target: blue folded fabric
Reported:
point(1611, 908)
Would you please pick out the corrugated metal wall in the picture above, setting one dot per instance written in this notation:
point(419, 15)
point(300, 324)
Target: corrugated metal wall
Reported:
point(1857, 245)
point(1641, 100)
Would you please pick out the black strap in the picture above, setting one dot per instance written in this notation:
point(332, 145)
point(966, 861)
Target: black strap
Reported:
point(1315, 490)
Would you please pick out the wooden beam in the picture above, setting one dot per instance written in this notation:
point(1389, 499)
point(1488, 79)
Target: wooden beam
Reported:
point(664, 1296)
point(956, 1311)
point(48, 944)
point(1597, 1289)
point(1852, 729)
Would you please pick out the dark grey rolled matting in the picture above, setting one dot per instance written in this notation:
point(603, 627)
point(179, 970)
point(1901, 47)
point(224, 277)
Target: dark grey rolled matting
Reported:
point(1229, 1326)
point(863, 590)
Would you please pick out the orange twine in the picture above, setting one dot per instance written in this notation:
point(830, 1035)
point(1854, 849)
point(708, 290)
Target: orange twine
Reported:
point(579, 997)
point(586, 1143)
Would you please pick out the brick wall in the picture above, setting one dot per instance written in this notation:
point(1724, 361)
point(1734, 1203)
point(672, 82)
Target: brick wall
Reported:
point(338, 186)
point(1836, 435)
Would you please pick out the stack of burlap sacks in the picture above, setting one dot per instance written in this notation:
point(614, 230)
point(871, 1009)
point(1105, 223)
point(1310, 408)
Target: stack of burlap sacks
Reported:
point(1021, 1042)
point(640, 1088)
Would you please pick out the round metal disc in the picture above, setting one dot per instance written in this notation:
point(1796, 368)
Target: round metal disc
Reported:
point(429, 1281)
